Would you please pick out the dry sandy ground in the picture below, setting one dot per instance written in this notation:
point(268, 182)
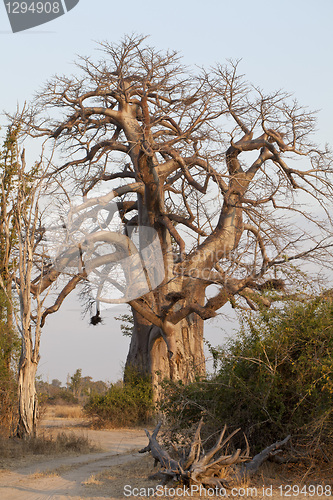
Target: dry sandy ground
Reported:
point(120, 472)
point(66, 477)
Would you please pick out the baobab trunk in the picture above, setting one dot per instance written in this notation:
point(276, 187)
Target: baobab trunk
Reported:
point(28, 403)
point(149, 354)
point(185, 359)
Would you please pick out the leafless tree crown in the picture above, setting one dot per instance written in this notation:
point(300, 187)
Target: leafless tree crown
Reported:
point(226, 174)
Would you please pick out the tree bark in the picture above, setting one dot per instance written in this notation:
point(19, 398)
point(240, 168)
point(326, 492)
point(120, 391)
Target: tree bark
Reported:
point(150, 355)
point(27, 395)
point(175, 353)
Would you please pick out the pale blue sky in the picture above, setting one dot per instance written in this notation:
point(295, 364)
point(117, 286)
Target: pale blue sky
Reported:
point(286, 44)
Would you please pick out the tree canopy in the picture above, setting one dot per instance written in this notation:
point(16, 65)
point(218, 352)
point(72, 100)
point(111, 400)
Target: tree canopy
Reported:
point(227, 175)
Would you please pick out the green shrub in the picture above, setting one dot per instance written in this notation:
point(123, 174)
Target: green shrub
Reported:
point(124, 405)
point(62, 396)
point(9, 354)
point(275, 378)
point(8, 404)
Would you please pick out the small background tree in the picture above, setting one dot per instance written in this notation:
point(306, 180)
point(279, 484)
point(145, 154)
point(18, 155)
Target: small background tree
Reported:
point(75, 385)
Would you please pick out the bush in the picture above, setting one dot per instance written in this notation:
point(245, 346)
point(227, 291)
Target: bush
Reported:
point(124, 405)
point(9, 354)
point(273, 379)
point(8, 405)
point(63, 396)
point(60, 444)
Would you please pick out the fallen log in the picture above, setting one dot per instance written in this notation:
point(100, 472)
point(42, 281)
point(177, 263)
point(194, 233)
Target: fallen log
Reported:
point(214, 468)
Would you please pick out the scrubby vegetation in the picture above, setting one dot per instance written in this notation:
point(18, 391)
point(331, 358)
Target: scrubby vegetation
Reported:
point(9, 338)
point(8, 401)
point(273, 379)
point(76, 392)
point(43, 445)
point(124, 405)
point(9, 353)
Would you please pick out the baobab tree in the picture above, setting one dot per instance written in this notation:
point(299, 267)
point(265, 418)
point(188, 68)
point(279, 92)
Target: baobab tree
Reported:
point(224, 174)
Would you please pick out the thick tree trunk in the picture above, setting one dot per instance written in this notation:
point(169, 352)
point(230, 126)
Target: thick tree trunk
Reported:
point(149, 355)
point(175, 352)
point(27, 423)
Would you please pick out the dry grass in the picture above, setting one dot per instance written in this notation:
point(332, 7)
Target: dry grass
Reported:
point(136, 473)
point(46, 473)
point(13, 450)
point(92, 481)
point(57, 471)
point(62, 411)
point(114, 479)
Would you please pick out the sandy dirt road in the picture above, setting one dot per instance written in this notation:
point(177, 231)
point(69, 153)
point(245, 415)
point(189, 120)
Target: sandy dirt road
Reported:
point(65, 477)
point(74, 477)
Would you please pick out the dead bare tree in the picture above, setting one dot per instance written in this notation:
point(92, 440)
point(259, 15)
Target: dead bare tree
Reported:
point(24, 245)
point(210, 163)
point(217, 468)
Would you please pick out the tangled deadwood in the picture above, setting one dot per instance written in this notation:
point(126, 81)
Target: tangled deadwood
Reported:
point(215, 468)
